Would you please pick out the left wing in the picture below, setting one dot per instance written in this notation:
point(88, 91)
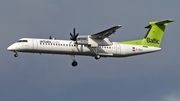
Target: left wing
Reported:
point(105, 33)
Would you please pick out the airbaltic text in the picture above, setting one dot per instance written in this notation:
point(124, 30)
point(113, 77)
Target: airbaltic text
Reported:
point(153, 40)
point(82, 38)
point(47, 41)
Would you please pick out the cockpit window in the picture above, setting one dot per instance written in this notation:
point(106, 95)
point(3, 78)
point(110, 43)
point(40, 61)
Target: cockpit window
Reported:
point(19, 41)
point(22, 41)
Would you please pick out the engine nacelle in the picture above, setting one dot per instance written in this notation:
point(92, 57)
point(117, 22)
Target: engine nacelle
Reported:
point(82, 40)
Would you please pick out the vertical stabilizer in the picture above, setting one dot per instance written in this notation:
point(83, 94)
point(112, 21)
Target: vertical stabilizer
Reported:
point(155, 34)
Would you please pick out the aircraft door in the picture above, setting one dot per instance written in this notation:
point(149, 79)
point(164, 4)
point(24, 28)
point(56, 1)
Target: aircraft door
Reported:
point(118, 49)
point(35, 44)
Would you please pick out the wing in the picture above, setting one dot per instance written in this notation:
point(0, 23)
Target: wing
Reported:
point(105, 33)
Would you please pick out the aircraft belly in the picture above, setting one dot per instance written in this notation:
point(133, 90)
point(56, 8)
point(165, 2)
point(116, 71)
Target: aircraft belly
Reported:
point(129, 50)
point(82, 51)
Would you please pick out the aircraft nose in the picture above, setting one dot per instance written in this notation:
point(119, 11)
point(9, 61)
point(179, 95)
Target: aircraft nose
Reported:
point(11, 48)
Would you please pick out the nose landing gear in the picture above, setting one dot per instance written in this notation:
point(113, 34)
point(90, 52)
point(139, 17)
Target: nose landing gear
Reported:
point(16, 54)
point(74, 63)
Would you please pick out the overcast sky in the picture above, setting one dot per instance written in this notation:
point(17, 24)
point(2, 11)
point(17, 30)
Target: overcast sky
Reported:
point(35, 77)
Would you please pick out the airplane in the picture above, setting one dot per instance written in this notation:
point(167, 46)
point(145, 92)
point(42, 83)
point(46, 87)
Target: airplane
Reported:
point(97, 45)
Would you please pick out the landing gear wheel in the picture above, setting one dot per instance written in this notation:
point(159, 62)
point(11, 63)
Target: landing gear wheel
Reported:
point(74, 63)
point(16, 55)
point(97, 57)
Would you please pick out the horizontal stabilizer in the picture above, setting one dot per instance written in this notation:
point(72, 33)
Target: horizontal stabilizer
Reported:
point(165, 21)
point(159, 23)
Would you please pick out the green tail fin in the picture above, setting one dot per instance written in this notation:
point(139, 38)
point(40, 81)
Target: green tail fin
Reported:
point(155, 34)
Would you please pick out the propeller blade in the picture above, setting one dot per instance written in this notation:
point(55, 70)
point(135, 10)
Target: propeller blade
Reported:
point(74, 31)
point(76, 35)
point(70, 42)
point(71, 38)
point(71, 35)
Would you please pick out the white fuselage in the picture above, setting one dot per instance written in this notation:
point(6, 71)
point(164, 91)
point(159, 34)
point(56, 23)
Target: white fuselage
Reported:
point(68, 47)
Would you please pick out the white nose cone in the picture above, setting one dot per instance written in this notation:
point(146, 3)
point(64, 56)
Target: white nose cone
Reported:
point(11, 48)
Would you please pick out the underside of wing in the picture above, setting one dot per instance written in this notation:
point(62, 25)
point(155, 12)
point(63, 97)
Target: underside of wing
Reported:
point(105, 33)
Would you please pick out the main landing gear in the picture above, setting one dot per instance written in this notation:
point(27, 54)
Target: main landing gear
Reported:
point(97, 57)
point(74, 63)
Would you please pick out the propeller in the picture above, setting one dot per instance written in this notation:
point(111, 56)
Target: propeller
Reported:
point(74, 35)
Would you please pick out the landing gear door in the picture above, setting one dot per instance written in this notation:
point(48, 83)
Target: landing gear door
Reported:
point(35, 44)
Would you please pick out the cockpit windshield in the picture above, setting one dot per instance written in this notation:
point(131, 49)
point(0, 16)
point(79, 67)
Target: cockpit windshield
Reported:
point(22, 41)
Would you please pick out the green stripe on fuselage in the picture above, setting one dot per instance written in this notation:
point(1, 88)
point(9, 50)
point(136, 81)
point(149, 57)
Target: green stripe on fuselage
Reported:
point(132, 42)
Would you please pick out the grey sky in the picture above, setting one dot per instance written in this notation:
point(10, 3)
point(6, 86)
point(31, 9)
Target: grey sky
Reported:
point(34, 77)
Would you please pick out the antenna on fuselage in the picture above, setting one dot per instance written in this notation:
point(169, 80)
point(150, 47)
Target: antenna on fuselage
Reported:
point(50, 37)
